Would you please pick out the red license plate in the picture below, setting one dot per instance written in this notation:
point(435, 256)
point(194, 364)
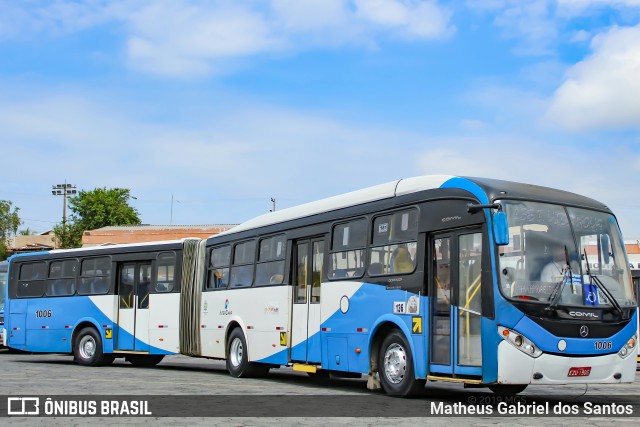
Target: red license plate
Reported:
point(579, 372)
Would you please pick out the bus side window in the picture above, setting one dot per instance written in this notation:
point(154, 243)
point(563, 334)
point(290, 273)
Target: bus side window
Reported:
point(348, 249)
point(220, 258)
point(165, 272)
point(270, 266)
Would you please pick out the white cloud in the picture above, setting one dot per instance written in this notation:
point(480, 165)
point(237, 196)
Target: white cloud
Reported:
point(473, 124)
point(196, 37)
point(59, 17)
point(531, 22)
point(310, 16)
point(418, 19)
point(579, 6)
point(223, 166)
point(226, 164)
point(178, 38)
point(539, 26)
point(603, 90)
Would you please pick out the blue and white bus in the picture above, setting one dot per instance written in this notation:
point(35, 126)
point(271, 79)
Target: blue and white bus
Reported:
point(468, 280)
point(95, 303)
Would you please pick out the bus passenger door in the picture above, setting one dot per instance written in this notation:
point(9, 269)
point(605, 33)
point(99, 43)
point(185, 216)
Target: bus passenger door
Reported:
point(305, 322)
point(134, 283)
point(455, 312)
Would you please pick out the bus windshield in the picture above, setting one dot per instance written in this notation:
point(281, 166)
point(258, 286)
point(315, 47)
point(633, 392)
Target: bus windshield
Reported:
point(564, 256)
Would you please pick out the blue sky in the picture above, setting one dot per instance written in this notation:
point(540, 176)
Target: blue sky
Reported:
point(224, 104)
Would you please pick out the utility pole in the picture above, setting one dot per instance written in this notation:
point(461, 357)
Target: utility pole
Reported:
point(273, 203)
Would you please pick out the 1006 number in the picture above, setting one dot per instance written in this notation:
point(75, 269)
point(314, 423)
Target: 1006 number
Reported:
point(603, 345)
point(43, 313)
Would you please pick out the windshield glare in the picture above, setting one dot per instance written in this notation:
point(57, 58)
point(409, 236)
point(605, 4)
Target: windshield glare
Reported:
point(542, 263)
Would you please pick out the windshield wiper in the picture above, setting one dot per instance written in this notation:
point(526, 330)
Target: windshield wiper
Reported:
point(607, 293)
point(593, 278)
point(566, 276)
point(557, 290)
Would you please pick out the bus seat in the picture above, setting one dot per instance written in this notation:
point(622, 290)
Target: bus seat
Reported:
point(375, 268)
point(401, 260)
point(276, 279)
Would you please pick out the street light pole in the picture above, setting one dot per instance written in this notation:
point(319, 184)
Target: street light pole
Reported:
point(64, 190)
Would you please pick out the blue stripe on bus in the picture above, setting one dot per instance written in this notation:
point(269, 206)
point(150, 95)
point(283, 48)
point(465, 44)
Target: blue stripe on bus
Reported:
point(53, 334)
point(365, 307)
point(467, 185)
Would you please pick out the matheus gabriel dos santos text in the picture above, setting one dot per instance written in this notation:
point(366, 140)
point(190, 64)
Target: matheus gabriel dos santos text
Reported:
point(533, 408)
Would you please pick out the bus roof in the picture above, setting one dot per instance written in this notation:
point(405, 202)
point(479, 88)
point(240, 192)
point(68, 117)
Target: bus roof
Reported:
point(483, 189)
point(107, 249)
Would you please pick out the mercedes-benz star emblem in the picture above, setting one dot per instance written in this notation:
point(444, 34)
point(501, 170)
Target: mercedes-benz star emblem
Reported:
point(584, 331)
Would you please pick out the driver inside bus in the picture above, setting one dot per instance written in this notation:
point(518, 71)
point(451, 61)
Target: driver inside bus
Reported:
point(555, 270)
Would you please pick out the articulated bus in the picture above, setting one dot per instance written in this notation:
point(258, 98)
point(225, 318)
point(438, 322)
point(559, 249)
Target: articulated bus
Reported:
point(475, 281)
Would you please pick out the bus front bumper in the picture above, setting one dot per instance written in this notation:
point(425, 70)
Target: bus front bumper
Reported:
point(516, 367)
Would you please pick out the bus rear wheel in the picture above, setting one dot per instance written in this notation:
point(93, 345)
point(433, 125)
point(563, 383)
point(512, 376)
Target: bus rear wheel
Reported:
point(145, 360)
point(87, 349)
point(395, 367)
point(238, 363)
point(507, 389)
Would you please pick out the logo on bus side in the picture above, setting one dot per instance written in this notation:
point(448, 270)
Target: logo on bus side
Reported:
point(451, 218)
point(226, 311)
point(272, 308)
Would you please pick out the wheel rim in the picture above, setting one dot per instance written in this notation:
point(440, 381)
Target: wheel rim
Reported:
point(87, 347)
point(236, 351)
point(395, 363)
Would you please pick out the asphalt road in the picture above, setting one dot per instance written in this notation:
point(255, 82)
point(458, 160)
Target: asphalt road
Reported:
point(188, 386)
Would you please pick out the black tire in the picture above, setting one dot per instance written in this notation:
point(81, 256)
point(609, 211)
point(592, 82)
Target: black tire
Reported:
point(87, 349)
point(507, 389)
point(238, 363)
point(395, 367)
point(145, 360)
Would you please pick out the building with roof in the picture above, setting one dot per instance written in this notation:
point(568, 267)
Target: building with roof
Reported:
point(32, 243)
point(149, 233)
point(633, 251)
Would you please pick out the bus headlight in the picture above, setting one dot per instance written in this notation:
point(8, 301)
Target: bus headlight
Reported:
point(519, 341)
point(628, 347)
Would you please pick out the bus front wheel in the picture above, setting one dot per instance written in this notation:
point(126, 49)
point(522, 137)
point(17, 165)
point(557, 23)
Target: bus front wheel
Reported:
point(238, 360)
point(395, 367)
point(87, 349)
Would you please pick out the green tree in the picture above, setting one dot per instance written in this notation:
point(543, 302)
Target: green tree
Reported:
point(93, 209)
point(68, 235)
point(9, 223)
